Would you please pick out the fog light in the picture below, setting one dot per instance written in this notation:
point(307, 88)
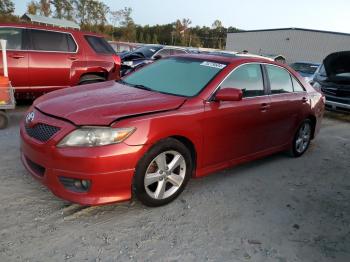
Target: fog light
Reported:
point(85, 184)
point(75, 185)
point(82, 184)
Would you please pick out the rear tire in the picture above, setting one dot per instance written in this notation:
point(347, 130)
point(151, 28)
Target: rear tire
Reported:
point(302, 139)
point(3, 120)
point(91, 78)
point(162, 173)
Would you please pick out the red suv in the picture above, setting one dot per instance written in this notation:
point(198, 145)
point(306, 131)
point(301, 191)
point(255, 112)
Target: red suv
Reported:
point(42, 58)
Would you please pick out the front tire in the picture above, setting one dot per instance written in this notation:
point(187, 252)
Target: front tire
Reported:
point(162, 173)
point(302, 139)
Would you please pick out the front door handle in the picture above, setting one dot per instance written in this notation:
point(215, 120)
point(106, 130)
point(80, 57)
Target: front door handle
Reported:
point(264, 107)
point(17, 56)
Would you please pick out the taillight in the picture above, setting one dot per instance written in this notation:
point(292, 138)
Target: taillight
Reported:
point(117, 60)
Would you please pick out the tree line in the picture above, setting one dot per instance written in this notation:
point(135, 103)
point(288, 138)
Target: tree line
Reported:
point(118, 25)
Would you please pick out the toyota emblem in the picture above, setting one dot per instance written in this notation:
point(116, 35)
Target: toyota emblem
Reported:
point(30, 117)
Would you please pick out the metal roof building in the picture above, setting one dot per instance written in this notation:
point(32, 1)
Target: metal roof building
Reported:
point(50, 21)
point(295, 44)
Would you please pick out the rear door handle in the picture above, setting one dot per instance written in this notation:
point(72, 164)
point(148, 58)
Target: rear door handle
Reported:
point(265, 106)
point(17, 56)
point(304, 99)
point(73, 58)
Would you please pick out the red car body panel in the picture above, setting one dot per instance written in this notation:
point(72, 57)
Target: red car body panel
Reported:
point(222, 134)
point(118, 101)
point(33, 73)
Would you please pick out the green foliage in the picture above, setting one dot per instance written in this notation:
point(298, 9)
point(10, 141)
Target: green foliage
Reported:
point(93, 15)
point(33, 7)
point(7, 7)
point(42, 7)
point(63, 9)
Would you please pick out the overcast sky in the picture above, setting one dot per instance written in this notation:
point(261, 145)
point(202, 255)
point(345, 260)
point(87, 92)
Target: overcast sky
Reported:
point(331, 15)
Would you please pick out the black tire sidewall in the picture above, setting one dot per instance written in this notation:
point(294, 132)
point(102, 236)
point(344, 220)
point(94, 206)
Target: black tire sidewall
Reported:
point(138, 183)
point(294, 151)
point(3, 120)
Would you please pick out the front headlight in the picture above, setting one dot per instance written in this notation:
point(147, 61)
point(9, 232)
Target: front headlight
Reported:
point(96, 136)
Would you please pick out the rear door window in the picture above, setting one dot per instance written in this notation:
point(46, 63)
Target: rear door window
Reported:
point(52, 41)
point(248, 78)
point(280, 80)
point(297, 86)
point(13, 37)
point(99, 45)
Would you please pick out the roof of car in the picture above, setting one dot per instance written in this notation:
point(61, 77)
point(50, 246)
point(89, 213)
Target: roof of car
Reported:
point(228, 59)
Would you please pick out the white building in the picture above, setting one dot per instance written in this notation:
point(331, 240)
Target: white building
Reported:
point(295, 44)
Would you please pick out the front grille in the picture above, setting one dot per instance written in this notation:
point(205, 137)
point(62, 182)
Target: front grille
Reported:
point(339, 91)
point(338, 100)
point(37, 169)
point(42, 132)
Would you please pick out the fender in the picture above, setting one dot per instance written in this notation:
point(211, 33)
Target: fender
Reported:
point(181, 122)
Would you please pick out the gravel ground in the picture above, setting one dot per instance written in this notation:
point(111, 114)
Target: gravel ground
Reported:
point(274, 209)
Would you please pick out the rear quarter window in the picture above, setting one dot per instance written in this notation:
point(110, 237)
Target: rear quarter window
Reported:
point(99, 45)
point(297, 86)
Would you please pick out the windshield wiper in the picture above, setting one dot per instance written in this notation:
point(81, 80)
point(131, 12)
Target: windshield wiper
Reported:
point(140, 86)
point(121, 81)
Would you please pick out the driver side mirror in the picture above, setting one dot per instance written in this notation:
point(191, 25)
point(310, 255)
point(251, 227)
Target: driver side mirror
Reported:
point(229, 94)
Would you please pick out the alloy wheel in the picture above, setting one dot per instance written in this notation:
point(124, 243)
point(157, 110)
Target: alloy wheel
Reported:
point(165, 175)
point(303, 138)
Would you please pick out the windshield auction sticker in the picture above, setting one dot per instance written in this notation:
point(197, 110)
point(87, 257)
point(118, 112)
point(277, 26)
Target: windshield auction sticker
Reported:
point(214, 65)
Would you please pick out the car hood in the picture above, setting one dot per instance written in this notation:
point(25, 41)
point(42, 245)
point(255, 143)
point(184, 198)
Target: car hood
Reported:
point(337, 63)
point(104, 103)
point(125, 54)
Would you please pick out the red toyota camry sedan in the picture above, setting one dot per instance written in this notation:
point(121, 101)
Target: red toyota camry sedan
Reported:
point(180, 117)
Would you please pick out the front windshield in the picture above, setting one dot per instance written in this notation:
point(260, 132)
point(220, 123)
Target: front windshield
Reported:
point(147, 51)
point(305, 68)
point(176, 76)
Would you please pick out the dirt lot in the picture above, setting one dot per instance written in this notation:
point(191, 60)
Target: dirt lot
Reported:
point(275, 209)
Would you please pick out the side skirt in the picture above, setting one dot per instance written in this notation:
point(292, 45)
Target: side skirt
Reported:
point(234, 162)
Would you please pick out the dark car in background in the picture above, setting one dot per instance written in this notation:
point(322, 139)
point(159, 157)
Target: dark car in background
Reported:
point(305, 69)
point(146, 54)
point(333, 79)
point(122, 47)
point(44, 58)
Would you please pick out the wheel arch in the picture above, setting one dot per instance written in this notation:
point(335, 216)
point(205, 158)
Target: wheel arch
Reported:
point(313, 120)
point(92, 76)
point(191, 147)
